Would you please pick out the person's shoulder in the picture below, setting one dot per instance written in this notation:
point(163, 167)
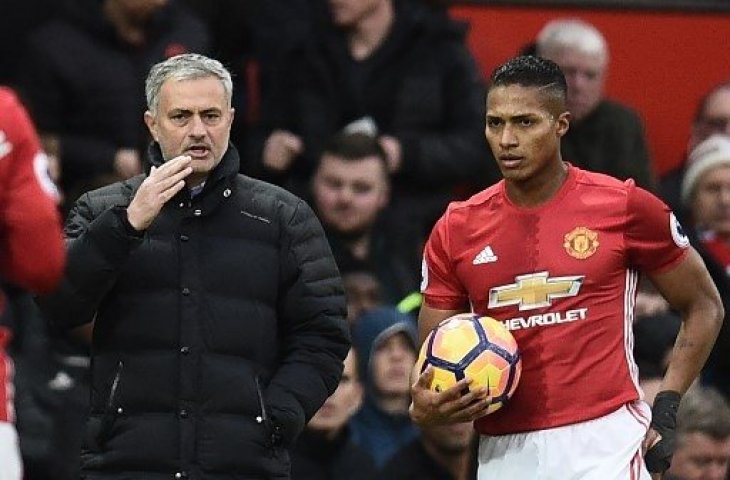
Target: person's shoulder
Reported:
point(435, 22)
point(183, 17)
point(8, 98)
point(10, 106)
point(266, 190)
point(480, 200)
point(619, 111)
point(113, 194)
point(601, 182)
point(464, 212)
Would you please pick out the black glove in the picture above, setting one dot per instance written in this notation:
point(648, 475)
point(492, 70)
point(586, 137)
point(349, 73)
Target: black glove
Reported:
point(664, 421)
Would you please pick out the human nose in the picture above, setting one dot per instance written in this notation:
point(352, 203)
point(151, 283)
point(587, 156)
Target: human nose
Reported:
point(345, 195)
point(716, 471)
point(507, 137)
point(197, 127)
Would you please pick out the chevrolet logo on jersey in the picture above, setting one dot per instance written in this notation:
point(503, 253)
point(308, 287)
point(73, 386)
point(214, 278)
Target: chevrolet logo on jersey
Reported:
point(535, 290)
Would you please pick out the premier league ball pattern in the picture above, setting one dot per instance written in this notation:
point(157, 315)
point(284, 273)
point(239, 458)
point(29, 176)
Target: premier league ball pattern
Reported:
point(480, 348)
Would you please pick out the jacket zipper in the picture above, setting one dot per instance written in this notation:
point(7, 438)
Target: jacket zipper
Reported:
point(263, 418)
point(110, 415)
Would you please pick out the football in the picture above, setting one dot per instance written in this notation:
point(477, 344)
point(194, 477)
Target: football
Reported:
point(480, 348)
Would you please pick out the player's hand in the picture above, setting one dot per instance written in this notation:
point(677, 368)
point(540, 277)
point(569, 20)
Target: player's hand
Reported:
point(157, 189)
point(280, 150)
point(446, 407)
point(660, 439)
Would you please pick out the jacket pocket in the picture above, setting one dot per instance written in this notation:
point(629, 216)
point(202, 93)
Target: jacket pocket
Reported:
point(112, 409)
point(273, 432)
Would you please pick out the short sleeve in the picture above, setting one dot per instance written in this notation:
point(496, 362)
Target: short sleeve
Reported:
point(440, 284)
point(655, 239)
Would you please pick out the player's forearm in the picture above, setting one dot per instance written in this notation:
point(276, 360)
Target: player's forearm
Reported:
point(692, 347)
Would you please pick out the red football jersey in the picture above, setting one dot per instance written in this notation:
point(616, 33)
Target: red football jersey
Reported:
point(562, 277)
point(31, 241)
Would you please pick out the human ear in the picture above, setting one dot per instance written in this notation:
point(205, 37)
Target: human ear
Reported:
point(562, 124)
point(151, 123)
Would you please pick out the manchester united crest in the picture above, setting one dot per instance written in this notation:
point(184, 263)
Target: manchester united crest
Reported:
point(581, 243)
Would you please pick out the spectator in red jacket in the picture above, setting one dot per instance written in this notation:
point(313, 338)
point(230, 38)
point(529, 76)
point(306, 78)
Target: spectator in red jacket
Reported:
point(31, 243)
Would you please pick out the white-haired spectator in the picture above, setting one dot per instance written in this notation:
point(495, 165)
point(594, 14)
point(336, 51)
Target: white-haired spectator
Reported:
point(604, 135)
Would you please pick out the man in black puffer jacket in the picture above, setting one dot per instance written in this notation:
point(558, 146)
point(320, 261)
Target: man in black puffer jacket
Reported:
point(219, 315)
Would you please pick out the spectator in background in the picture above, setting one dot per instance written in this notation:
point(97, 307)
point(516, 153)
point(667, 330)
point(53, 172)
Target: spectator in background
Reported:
point(351, 189)
point(325, 450)
point(442, 452)
point(82, 77)
point(167, 265)
point(712, 117)
point(402, 69)
point(703, 437)
point(386, 340)
point(654, 337)
point(31, 245)
point(18, 18)
point(705, 196)
point(362, 291)
point(604, 136)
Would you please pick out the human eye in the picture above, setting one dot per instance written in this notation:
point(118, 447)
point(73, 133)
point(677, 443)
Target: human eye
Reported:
point(362, 188)
point(211, 117)
point(526, 122)
point(178, 118)
point(493, 122)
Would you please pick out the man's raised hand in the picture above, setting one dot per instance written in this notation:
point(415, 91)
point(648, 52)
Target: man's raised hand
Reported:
point(157, 189)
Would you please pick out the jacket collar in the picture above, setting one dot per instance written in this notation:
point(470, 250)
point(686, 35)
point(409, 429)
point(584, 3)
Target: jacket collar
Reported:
point(228, 165)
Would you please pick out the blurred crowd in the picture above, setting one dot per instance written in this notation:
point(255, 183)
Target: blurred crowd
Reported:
point(373, 111)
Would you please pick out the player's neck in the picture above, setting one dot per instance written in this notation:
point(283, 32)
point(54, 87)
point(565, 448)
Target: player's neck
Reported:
point(538, 189)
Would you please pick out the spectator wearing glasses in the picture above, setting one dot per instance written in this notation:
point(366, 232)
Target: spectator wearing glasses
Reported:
point(712, 117)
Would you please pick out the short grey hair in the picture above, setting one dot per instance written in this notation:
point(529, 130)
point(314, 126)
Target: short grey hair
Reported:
point(188, 66)
point(573, 34)
point(704, 410)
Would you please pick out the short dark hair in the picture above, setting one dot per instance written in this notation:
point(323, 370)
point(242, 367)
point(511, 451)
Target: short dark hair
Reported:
point(355, 146)
point(531, 71)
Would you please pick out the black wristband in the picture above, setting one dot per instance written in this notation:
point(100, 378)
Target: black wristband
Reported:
point(664, 420)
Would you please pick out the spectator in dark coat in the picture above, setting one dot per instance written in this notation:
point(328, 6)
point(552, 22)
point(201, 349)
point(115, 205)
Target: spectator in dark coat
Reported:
point(350, 193)
point(604, 136)
point(219, 314)
point(82, 78)
point(443, 452)
point(325, 450)
point(711, 118)
point(400, 70)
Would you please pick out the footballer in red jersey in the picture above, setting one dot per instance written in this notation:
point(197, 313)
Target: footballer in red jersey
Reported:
point(555, 253)
point(31, 242)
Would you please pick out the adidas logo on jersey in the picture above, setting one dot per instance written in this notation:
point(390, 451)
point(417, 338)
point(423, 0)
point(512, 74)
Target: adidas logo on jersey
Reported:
point(485, 256)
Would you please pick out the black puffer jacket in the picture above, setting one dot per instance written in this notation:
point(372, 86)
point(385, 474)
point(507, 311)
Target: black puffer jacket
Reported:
point(217, 334)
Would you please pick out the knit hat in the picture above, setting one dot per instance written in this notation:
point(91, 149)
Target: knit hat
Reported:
point(712, 152)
